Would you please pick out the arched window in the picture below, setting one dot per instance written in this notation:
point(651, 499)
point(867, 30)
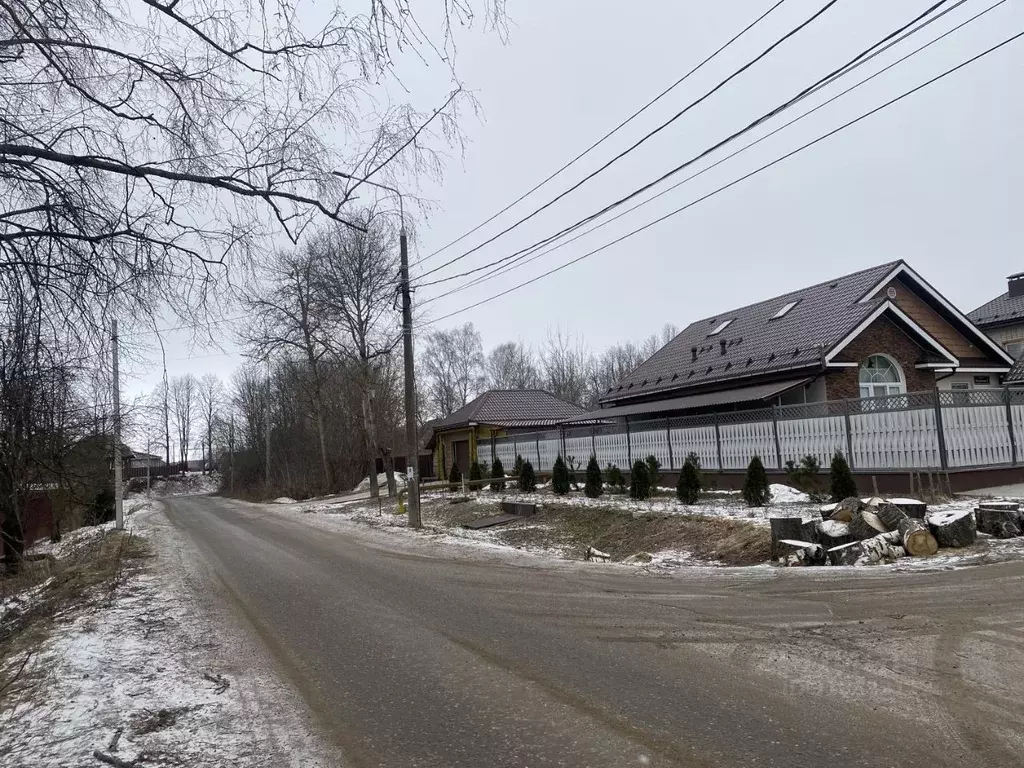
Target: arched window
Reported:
point(880, 376)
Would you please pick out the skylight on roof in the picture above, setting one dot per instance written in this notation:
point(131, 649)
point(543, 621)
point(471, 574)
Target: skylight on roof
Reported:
point(785, 309)
point(721, 327)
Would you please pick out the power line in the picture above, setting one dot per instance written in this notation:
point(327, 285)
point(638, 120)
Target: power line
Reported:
point(821, 82)
point(733, 183)
point(522, 260)
point(641, 141)
point(607, 136)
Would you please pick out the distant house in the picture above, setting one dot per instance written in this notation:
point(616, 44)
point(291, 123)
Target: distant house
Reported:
point(143, 460)
point(462, 437)
point(878, 332)
point(1002, 319)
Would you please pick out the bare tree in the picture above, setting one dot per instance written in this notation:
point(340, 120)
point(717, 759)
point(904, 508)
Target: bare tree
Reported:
point(453, 363)
point(567, 364)
point(512, 365)
point(145, 147)
point(210, 398)
point(183, 390)
point(286, 320)
point(356, 272)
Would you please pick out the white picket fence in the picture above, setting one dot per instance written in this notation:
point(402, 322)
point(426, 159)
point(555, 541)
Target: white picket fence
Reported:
point(987, 431)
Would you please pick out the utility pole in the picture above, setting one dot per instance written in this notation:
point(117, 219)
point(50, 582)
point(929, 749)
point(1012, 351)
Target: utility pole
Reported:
point(231, 454)
point(266, 428)
point(118, 483)
point(412, 447)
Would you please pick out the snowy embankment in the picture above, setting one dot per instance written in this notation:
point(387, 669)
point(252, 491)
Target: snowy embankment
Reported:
point(131, 671)
point(545, 536)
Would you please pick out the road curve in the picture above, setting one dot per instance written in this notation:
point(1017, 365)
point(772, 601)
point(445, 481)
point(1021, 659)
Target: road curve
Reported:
point(408, 659)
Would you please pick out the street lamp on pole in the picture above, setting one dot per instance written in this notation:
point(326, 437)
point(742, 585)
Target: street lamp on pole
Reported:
point(412, 449)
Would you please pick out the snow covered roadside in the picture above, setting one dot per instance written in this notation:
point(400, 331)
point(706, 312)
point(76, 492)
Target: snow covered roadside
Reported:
point(145, 674)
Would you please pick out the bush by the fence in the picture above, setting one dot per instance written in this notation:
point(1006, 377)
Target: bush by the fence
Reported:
point(841, 484)
point(639, 481)
point(595, 482)
point(615, 478)
point(455, 478)
point(475, 473)
point(497, 476)
point(653, 472)
point(756, 491)
point(527, 478)
point(688, 487)
point(804, 476)
point(560, 476)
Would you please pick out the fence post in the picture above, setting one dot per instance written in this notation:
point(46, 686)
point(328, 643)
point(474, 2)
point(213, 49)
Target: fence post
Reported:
point(1009, 426)
point(943, 460)
point(668, 436)
point(593, 440)
point(848, 423)
point(515, 448)
point(494, 448)
point(629, 447)
point(537, 443)
point(775, 433)
point(561, 440)
point(718, 443)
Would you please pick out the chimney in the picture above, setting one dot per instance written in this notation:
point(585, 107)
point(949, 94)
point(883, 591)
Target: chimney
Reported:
point(693, 354)
point(722, 343)
point(1015, 283)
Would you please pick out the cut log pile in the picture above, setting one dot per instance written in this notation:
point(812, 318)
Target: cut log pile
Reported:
point(873, 531)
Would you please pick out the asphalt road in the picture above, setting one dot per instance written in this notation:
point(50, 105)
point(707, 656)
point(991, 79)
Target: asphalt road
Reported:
point(408, 658)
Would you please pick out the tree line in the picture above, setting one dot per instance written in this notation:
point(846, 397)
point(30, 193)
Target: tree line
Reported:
point(455, 369)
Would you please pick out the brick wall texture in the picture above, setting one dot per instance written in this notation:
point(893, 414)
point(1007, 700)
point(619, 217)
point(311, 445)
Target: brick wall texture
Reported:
point(881, 337)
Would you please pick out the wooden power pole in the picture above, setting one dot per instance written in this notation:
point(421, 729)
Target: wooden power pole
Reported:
point(118, 481)
point(412, 447)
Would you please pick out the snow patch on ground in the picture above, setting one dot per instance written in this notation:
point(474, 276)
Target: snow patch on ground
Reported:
point(190, 484)
point(382, 481)
point(783, 494)
point(141, 661)
point(283, 500)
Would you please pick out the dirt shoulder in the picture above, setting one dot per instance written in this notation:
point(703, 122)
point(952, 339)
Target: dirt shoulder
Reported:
point(114, 653)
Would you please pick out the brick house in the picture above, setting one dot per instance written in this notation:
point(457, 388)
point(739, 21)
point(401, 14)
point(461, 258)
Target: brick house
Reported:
point(878, 332)
point(1002, 319)
point(460, 437)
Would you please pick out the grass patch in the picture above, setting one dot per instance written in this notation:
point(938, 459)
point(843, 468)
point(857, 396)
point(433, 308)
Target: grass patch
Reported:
point(621, 534)
point(84, 575)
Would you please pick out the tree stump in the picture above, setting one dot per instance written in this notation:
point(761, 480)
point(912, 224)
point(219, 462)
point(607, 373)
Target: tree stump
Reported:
point(890, 515)
point(810, 532)
point(1001, 523)
point(866, 525)
point(846, 509)
point(832, 533)
point(953, 529)
point(784, 528)
point(844, 554)
point(917, 539)
point(911, 507)
point(806, 552)
point(827, 510)
point(1007, 506)
point(883, 548)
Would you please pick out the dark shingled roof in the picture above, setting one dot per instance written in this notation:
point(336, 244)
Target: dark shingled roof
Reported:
point(1016, 374)
point(756, 344)
point(512, 408)
point(999, 311)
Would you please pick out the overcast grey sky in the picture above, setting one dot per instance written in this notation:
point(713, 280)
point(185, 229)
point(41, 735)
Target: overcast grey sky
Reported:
point(934, 180)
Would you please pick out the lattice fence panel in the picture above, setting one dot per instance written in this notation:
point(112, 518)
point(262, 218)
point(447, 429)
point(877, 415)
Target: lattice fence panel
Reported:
point(976, 436)
point(699, 440)
point(741, 441)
